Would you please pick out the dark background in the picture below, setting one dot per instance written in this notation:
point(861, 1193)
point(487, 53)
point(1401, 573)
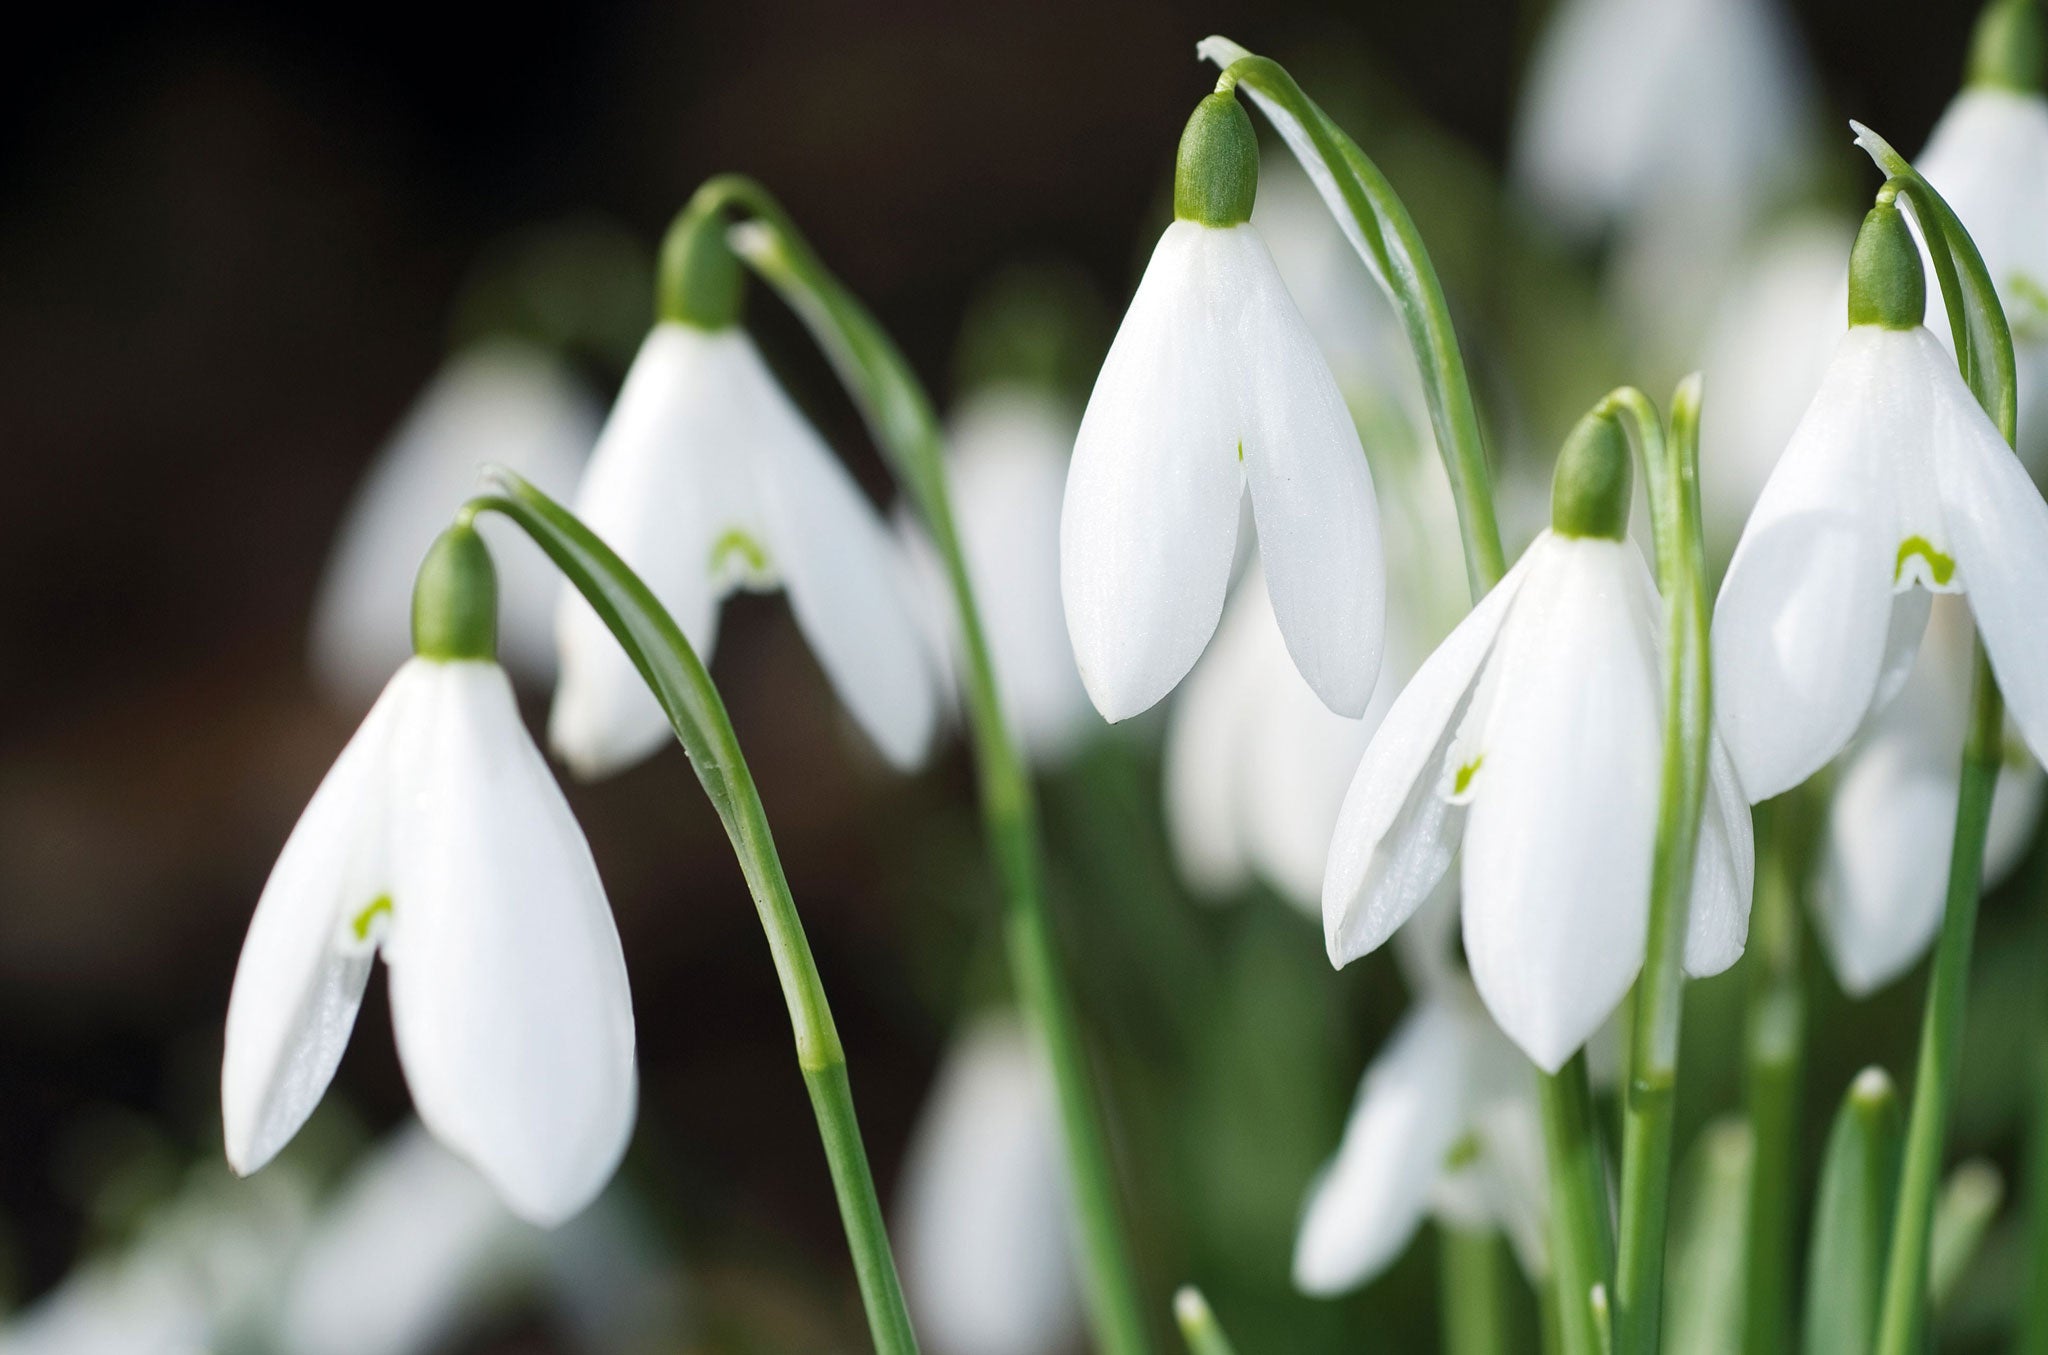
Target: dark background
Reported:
point(230, 240)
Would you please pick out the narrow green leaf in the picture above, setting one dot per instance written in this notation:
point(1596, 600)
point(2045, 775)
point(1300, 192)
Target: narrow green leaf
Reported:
point(1198, 1325)
point(1703, 1310)
point(1963, 1213)
point(1852, 1219)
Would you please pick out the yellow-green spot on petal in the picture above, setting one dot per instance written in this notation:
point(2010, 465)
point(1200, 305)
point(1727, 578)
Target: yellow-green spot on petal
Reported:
point(378, 907)
point(2029, 311)
point(1463, 780)
point(1463, 1153)
point(1240, 451)
point(1940, 568)
point(736, 544)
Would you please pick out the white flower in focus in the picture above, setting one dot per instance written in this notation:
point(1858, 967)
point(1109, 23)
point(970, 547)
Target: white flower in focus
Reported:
point(1609, 81)
point(1895, 487)
point(1767, 347)
point(982, 1216)
point(708, 479)
point(1006, 466)
point(1882, 876)
point(1215, 390)
point(1533, 736)
point(501, 403)
point(440, 840)
point(1988, 156)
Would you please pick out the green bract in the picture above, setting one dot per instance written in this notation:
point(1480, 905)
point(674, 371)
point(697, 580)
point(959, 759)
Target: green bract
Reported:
point(1589, 494)
point(2010, 47)
point(1886, 283)
point(1216, 175)
point(699, 282)
point(455, 599)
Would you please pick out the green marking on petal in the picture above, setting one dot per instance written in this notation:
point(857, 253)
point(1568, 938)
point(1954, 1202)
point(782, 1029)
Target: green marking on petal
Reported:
point(737, 544)
point(1463, 780)
point(1940, 568)
point(1463, 1153)
point(2029, 312)
point(1240, 451)
point(360, 923)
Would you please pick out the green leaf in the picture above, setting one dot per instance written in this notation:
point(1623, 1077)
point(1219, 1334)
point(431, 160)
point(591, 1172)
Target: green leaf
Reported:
point(1852, 1219)
point(1968, 1203)
point(1703, 1314)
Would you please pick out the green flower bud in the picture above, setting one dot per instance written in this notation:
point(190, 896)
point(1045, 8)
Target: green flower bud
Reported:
point(1886, 284)
point(700, 281)
point(1589, 494)
point(455, 599)
point(1216, 175)
point(2010, 47)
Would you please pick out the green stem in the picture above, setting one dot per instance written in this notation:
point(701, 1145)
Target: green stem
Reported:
point(900, 415)
point(1581, 1241)
point(1474, 1291)
point(695, 710)
point(1902, 1327)
point(1774, 1043)
point(1671, 472)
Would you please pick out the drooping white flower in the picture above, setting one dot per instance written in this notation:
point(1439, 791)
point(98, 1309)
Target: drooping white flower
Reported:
point(982, 1215)
point(1007, 450)
point(502, 403)
point(1212, 391)
point(1895, 486)
point(1988, 156)
point(708, 479)
point(440, 840)
point(1882, 875)
point(1533, 736)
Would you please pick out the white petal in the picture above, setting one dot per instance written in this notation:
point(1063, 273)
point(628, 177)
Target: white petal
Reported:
point(508, 990)
point(1409, 1114)
point(412, 1248)
point(1800, 626)
point(1150, 519)
point(1999, 528)
point(666, 482)
point(1209, 736)
point(1884, 869)
point(2015, 810)
point(300, 978)
point(982, 1221)
point(1723, 874)
point(1395, 834)
point(1311, 491)
point(838, 565)
point(1558, 841)
point(496, 403)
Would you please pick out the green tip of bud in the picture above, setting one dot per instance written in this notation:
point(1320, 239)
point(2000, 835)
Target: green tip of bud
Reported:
point(1216, 176)
point(1589, 494)
point(455, 599)
point(700, 281)
point(2010, 47)
point(1886, 284)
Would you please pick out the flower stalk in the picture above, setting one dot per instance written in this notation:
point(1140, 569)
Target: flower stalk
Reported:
point(1774, 1049)
point(900, 416)
point(1474, 1276)
point(697, 713)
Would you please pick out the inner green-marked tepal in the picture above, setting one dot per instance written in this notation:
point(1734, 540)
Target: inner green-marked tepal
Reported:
point(1240, 451)
point(378, 907)
point(1941, 568)
point(1462, 782)
point(734, 543)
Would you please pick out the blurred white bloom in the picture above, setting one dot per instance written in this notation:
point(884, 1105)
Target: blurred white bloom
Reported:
point(1774, 328)
point(440, 839)
point(1533, 735)
point(1610, 81)
point(1214, 390)
point(982, 1217)
point(501, 403)
point(1007, 469)
point(1988, 156)
point(1883, 871)
point(707, 479)
point(1895, 486)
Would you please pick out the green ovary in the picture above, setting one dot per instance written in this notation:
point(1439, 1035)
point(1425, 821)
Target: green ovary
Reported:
point(1941, 568)
point(378, 907)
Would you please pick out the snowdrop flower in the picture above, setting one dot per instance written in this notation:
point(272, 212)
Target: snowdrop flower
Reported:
point(1006, 467)
point(1766, 349)
point(1610, 78)
point(501, 402)
point(707, 479)
point(1988, 156)
point(441, 841)
point(1882, 876)
point(1214, 389)
point(1895, 486)
point(988, 1264)
point(1533, 735)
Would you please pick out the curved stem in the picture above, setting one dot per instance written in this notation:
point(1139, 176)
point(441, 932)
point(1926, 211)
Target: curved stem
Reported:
point(1671, 473)
point(900, 415)
point(1581, 1239)
point(695, 710)
point(1374, 219)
